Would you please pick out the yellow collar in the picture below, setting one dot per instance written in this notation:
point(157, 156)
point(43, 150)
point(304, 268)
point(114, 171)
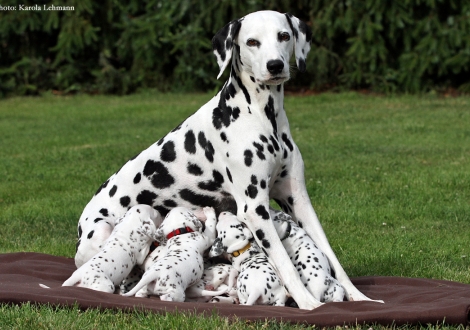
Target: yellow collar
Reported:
point(238, 252)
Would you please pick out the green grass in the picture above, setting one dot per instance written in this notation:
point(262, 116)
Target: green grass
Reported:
point(388, 176)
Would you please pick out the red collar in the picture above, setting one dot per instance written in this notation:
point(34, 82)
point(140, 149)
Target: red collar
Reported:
point(179, 231)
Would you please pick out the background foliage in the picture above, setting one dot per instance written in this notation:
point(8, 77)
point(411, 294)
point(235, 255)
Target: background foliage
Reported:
point(118, 46)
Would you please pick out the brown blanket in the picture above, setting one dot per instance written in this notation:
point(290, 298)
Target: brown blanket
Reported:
point(407, 300)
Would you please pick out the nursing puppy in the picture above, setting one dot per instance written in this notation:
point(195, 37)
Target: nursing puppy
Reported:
point(308, 259)
point(182, 264)
point(258, 281)
point(127, 246)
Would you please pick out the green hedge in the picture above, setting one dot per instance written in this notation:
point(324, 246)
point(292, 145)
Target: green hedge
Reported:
point(120, 46)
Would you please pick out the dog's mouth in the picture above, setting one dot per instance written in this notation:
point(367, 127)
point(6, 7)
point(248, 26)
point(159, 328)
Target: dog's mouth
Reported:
point(276, 80)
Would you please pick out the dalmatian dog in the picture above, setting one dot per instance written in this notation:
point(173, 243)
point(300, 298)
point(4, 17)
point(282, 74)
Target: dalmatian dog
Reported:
point(183, 264)
point(310, 261)
point(257, 282)
point(127, 246)
point(205, 161)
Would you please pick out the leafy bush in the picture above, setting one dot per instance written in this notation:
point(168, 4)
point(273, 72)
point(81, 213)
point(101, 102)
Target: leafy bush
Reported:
point(120, 46)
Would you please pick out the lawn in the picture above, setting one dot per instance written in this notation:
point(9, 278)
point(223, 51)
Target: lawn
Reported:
point(389, 178)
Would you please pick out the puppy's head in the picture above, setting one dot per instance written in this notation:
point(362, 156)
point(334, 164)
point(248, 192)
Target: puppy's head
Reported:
point(178, 217)
point(232, 235)
point(142, 218)
point(281, 221)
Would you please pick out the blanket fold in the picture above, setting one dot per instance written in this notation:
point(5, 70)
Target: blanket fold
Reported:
point(407, 300)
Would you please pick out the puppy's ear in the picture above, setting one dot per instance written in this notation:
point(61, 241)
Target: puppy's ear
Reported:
point(303, 37)
point(222, 43)
point(217, 248)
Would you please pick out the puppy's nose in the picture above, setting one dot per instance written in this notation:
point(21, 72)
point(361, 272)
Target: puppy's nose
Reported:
point(275, 66)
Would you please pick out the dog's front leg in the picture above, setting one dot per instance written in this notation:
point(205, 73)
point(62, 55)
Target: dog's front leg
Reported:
point(258, 220)
point(291, 192)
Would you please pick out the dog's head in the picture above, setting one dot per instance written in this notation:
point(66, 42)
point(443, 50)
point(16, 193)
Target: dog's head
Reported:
point(178, 217)
point(263, 42)
point(232, 235)
point(143, 218)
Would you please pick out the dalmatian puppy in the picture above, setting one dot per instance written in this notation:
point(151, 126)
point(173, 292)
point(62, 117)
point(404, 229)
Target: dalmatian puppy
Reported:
point(258, 282)
point(221, 277)
point(310, 261)
point(205, 161)
point(182, 264)
point(157, 251)
point(127, 246)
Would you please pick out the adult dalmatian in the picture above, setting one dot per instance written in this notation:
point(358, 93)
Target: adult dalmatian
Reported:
point(235, 153)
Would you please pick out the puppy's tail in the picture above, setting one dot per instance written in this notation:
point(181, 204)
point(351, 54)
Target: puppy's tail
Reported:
point(149, 276)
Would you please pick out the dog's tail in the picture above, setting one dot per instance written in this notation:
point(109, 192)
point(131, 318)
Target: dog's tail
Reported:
point(150, 275)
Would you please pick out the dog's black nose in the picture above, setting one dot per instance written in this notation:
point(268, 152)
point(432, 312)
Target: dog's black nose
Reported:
point(275, 66)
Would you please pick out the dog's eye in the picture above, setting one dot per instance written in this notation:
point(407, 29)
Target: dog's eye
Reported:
point(252, 43)
point(284, 36)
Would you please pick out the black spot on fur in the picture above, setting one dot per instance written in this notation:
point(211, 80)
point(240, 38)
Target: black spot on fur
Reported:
point(290, 200)
point(197, 199)
point(261, 211)
point(125, 201)
point(97, 220)
point(274, 142)
point(137, 178)
point(158, 174)
point(190, 142)
point(104, 212)
point(252, 191)
point(270, 113)
point(223, 137)
point(90, 234)
point(201, 139)
point(112, 191)
point(170, 203)
point(260, 234)
point(168, 153)
point(146, 197)
point(266, 244)
point(262, 184)
point(229, 175)
point(287, 142)
point(248, 157)
point(259, 150)
point(209, 152)
point(194, 169)
point(254, 180)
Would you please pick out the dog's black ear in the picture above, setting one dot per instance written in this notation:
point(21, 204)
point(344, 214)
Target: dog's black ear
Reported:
point(222, 43)
point(303, 37)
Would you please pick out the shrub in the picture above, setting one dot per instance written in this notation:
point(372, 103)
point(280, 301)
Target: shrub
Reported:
point(120, 46)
